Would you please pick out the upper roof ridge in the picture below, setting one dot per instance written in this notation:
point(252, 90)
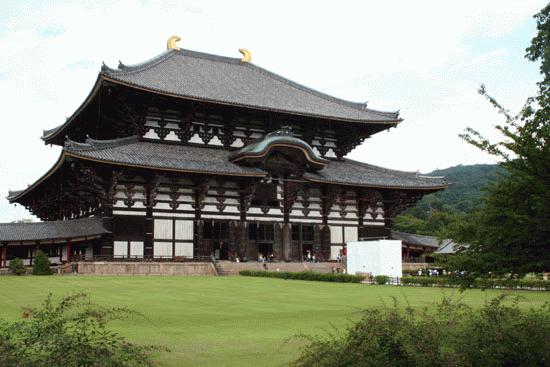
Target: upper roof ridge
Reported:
point(94, 144)
point(124, 69)
point(357, 105)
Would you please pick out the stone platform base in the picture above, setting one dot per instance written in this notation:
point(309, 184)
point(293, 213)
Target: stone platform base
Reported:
point(145, 268)
point(233, 268)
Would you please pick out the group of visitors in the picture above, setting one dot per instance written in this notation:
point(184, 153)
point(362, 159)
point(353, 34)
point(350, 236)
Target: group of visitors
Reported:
point(309, 257)
point(431, 272)
point(264, 259)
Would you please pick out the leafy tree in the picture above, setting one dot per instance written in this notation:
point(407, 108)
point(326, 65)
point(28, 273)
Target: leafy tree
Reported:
point(446, 334)
point(71, 332)
point(511, 230)
point(41, 264)
point(17, 267)
point(435, 212)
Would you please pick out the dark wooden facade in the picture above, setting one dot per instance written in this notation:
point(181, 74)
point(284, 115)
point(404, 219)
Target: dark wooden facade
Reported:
point(175, 176)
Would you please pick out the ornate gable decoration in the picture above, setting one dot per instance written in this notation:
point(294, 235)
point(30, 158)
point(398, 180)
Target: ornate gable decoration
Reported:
point(281, 153)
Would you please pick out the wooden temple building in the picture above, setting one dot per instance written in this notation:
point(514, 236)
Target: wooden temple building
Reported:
point(191, 155)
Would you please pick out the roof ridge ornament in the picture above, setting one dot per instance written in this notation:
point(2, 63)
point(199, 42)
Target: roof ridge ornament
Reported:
point(247, 55)
point(171, 43)
point(285, 130)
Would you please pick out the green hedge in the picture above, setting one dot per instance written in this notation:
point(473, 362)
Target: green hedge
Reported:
point(17, 267)
point(441, 281)
point(305, 275)
point(381, 279)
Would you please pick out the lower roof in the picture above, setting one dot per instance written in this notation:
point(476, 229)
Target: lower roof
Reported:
point(51, 231)
point(419, 240)
point(131, 152)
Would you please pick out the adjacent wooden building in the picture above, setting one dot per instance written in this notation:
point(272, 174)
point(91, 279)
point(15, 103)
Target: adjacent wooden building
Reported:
point(192, 155)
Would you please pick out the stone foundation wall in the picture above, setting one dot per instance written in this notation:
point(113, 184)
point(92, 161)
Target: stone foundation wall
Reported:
point(233, 268)
point(144, 268)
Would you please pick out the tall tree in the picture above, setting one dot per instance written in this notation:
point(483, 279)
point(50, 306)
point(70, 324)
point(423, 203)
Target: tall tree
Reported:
point(511, 231)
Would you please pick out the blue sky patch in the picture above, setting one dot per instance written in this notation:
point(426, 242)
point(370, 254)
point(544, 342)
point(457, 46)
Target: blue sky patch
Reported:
point(51, 31)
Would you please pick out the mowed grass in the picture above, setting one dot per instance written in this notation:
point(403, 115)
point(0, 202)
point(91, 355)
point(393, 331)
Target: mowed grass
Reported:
point(229, 321)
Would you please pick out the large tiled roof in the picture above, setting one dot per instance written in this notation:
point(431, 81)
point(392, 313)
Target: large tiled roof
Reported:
point(130, 151)
point(226, 80)
point(54, 230)
point(354, 173)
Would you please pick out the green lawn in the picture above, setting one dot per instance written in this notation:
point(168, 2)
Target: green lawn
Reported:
point(228, 321)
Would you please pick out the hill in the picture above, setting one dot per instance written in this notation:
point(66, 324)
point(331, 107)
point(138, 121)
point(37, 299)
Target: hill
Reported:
point(435, 211)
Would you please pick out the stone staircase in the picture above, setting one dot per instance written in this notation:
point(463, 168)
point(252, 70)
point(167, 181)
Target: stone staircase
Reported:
point(221, 269)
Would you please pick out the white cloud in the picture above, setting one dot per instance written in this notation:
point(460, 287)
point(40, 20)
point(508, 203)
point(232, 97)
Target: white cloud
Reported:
point(414, 56)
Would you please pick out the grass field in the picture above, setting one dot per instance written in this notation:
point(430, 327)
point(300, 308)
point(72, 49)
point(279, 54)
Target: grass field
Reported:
point(228, 321)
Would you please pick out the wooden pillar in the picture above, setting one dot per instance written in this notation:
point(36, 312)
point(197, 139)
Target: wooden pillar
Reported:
point(148, 245)
point(325, 243)
point(296, 245)
point(277, 241)
point(69, 252)
point(287, 241)
point(328, 196)
point(200, 191)
point(290, 193)
point(150, 202)
point(233, 234)
point(4, 262)
point(245, 196)
point(32, 250)
point(107, 240)
point(362, 206)
point(242, 239)
point(317, 239)
point(199, 246)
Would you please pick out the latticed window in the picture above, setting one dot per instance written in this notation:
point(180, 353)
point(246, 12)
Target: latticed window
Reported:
point(307, 233)
point(265, 232)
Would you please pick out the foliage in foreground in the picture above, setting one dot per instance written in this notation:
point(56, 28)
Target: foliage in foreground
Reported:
point(305, 275)
point(17, 267)
point(451, 334)
point(41, 264)
point(71, 332)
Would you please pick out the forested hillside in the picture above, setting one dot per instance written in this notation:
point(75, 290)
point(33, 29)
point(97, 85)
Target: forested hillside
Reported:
point(431, 214)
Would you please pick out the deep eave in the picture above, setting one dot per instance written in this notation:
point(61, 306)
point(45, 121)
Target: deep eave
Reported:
point(345, 111)
point(226, 80)
point(130, 152)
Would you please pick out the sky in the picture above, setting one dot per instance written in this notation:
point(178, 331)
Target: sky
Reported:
point(426, 59)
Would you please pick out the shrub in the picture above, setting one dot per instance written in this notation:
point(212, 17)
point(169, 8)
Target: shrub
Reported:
point(450, 334)
point(17, 267)
point(41, 264)
point(381, 279)
point(483, 283)
point(71, 332)
point(305, 275)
